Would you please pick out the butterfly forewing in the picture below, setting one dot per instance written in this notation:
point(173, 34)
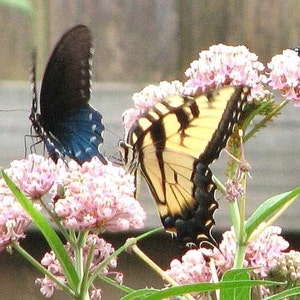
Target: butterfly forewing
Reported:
point(66, 82)
point(174, 142)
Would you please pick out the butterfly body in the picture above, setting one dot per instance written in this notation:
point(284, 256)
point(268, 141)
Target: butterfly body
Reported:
point(67, 124)
point(173, 144)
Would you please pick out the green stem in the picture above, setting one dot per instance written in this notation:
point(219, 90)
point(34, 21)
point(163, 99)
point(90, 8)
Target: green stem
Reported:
point(84, 282)
point(122, 287)
point(266, 119)
point(241, 234)
point(235, 216)
point(42, 269)
point(239, 255)
point(238, 210)
point(82, 289)
point(156, 268)
point(128, 244)
point(55, 219)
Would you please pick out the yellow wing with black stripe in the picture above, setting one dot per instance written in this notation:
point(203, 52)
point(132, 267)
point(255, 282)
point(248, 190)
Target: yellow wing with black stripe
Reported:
point(173, 144)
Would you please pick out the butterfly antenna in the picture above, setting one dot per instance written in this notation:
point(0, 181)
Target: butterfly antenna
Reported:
point(116, 159)
point(113, 133)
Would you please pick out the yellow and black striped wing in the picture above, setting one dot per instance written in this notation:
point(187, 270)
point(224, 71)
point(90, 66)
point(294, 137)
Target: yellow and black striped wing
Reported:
point(173, 144)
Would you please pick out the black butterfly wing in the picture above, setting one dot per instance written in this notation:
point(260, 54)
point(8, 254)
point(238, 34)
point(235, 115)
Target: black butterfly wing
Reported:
point(66, 82)
point(80, 137)
point(68, 125)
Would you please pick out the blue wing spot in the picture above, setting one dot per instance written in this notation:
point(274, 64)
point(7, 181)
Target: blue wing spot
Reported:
point(78, 153)
point(92, 139)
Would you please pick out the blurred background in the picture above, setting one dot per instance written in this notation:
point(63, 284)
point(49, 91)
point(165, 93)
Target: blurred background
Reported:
point(138, 42)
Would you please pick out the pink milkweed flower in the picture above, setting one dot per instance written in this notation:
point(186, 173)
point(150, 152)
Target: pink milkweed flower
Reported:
point(97, 196)
point(223, 65)
point(192, 268)
point(152, 94)
point(284, 75)
point(145, 99)
point(262, 254)
point(13, 218)
point(234, 190)
point(34, 175)
point(102, 250)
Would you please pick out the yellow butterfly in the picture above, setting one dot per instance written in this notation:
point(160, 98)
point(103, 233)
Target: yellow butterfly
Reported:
point(173, 144)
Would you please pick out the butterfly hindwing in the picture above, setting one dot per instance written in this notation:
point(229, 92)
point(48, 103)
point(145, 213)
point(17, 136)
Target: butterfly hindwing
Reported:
point(80, 136)
point(173, 143)
point(67, 124)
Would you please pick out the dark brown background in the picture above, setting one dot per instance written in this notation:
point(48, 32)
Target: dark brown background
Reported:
point(141, 40)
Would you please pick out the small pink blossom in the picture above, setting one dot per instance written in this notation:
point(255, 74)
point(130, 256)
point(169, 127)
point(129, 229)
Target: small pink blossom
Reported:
point(263, 253)
point(129, 117)
point(96, 294)
point(284, 75)
point(192, 268)
point(102, 250)
point(13, 219)
point(34, 175)
point(47, 286)
point(97, 196)
point(150, 95)
point(223, 65)
point(234, 190)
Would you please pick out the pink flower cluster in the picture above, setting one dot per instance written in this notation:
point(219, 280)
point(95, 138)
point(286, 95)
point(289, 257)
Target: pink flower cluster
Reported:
point(101, 250)
point(262, 254)
point(13, 220)
point(284, 75)
point(150, 95)
point(222, 65)
point(234, 190)
point(34, 176)
point(87, 197)
point(192, 268)
point(97, 196)
point(218, 66)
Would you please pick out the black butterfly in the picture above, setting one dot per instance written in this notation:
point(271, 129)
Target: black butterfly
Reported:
point(67, 124)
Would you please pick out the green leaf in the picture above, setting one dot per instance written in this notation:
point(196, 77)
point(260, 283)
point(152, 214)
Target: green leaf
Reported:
point(150, 294)
point(285, 294)
point(236, 293)
point(47, 231)
point(139, 294)
point(273, 207)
